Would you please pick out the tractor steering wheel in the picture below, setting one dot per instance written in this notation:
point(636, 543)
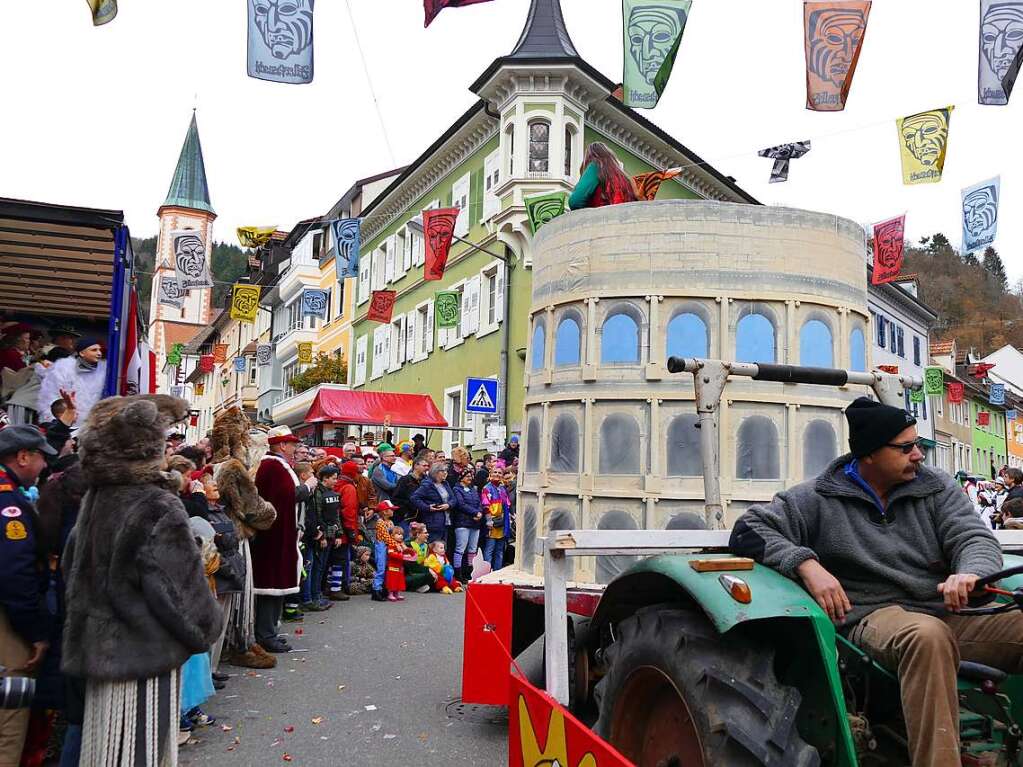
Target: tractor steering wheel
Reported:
point(984, 592)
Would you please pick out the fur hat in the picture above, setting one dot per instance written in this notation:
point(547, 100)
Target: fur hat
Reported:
point(123, 443)
point(230, 435)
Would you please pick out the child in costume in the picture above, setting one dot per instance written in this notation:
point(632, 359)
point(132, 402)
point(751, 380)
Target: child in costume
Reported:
point(394, 579)
point(362, 571)
point(497, 513)
point(382, 534)
point(417, 577)
point(442, 572)
point(196, 679)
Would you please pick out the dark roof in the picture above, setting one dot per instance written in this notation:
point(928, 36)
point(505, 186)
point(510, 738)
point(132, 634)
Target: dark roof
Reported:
point(545, 34)
point(349, 197)
point(188, 188)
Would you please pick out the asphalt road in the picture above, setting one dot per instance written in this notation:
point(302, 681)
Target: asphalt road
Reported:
point(381, 679)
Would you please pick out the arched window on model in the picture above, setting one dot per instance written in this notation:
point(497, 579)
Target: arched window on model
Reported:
point(509, 133)
point(562, 519)
point(820, 447)
point(539, 146)
point(619, 445)
point(565, 444)
point(684, 447)
point(533, 444)
point(610, 567)
point(569, 146)
point(687, 336)
point(754, 339)
point(567, 343)
point(816, 348)
point(857, 351)
point(619, 339)
point(757, 449)
point(539, 347)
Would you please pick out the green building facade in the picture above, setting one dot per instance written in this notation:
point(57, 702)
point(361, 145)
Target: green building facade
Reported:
point(538, 109)
point(989, 447)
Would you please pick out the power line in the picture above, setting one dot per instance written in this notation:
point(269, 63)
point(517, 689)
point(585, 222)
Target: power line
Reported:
point(369, 82)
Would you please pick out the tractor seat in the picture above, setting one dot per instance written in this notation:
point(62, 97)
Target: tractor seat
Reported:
point(978, 672)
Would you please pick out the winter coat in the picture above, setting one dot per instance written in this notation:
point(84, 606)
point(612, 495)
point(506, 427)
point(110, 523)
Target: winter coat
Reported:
point(138, 602)
point(427, 494)
point(384, 480)
point(496, 504)
point(455, 473)
point(468, 508)
point(240, 499)
point(276, 562)
point(230, 578)
point(407, 486)
point(897, 556)
point(349, 510)
point(65, 374)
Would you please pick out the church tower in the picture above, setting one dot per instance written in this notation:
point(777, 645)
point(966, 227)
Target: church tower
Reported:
point(187, 207)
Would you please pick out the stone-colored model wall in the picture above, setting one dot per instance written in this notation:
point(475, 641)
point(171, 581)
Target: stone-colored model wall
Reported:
point(612, 444)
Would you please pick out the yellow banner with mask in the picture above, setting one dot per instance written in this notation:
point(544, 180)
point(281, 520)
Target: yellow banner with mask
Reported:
point(102, 11)
point(923, 140)
point(255, 236)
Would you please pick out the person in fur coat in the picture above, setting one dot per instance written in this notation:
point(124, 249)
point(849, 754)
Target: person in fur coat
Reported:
point(232, 448)
point(138, 603)
point(276, 562)
point(83, 375)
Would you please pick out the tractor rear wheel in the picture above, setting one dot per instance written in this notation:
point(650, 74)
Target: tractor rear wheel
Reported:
point(678, 694)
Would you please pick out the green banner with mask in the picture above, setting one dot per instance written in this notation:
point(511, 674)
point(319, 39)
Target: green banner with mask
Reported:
point(652, 36)
point(447, 306)
point(917, 395)
point(934, 381)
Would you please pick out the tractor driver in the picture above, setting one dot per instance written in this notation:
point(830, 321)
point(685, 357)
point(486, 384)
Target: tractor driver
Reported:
point(891, 549)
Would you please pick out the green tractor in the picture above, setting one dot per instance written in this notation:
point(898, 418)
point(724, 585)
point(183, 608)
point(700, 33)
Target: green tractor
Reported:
point(699, 658)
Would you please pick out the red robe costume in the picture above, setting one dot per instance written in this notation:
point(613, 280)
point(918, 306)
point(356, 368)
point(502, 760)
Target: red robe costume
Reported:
point(276, 563)
point(394, 578)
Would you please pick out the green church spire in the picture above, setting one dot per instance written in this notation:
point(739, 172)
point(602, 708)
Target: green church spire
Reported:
point(188, 188)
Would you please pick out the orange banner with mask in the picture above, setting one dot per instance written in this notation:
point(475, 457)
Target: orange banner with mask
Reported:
point(832, 36)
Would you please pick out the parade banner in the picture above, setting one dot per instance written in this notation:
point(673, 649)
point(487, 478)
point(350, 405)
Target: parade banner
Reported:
point(980, 214)
point(199, 389)
point(281, 40)
point(955, 392)
point(542, 733)
point(916, 395)
point(652, 32)
point(103, 11)
point(934, 381)
point(177, 391)
point(255, 236)
point(439, 226)
point(206, 363)
point(244, 302)
point(833, 38)
point(1010, 415)
point(891, 369)
point(545, 207)
point(170, 293)
point(347, 243)
point(983, 418)
point(381, 306)
point(1001, 49)
point(240, 364)
point(191, 266)
point(923, 141)
point(314, 302)
point(649, 184)
point(433, 7)
point(174, 355)
point(447, 308)
point(305, 353)
point(264, 354)
point(889, 248)
point(220, 353)
point(996, 396)
point(781, 155)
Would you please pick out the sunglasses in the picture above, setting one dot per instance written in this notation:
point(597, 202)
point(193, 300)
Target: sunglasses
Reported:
point(906, 447)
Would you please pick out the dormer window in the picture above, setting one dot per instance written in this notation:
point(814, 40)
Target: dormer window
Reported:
point(539, 146)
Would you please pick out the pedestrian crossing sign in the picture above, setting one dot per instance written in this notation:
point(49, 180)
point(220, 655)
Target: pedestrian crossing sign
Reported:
point(481, 395)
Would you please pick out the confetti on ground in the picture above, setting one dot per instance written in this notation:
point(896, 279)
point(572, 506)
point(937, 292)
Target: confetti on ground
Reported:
point(270, 683)
point(290, 728)
point(235, 744)
point(299, 632)
point(370, 708)
point(277, 742)
point(340, 687)
point(226, 727)
point(286, 757)
point(228, 697)
point(317, 719)
point(388, 736)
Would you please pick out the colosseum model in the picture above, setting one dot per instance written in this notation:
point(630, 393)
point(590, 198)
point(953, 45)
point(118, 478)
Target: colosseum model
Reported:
point(609, 439)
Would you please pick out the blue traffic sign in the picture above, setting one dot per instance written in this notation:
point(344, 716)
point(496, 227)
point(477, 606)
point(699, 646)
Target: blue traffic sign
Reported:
point(481, 395)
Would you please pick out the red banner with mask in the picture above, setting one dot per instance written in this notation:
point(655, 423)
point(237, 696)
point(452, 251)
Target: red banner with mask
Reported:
point(381, 306)
point(439, 230)
point(542, 732)
point(955, 393)
point(206, 363)
point(889, 245)
point(983, 418)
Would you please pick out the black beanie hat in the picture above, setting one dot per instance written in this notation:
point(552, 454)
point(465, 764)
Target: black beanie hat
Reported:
point(873, 425)
point(84, 343)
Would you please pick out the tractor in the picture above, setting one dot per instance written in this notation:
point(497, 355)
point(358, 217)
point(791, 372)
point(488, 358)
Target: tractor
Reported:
point(695, 658)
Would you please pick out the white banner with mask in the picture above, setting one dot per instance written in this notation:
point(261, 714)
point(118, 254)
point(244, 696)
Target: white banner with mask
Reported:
point(281, 40)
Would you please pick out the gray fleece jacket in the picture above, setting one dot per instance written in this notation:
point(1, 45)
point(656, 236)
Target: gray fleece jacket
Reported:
point(928, 532)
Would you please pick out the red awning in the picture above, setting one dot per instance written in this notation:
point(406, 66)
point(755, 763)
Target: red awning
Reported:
point(374, 408)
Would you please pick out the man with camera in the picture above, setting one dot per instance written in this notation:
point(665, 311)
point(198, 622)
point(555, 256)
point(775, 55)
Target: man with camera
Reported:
point(23, 619)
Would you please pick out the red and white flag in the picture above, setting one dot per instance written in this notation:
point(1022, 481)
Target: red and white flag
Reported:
point(138, 370)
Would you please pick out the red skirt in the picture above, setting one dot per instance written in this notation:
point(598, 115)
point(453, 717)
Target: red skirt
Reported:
point(394, 578)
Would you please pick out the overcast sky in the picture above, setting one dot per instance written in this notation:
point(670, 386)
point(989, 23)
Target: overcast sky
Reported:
point(96, 116)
